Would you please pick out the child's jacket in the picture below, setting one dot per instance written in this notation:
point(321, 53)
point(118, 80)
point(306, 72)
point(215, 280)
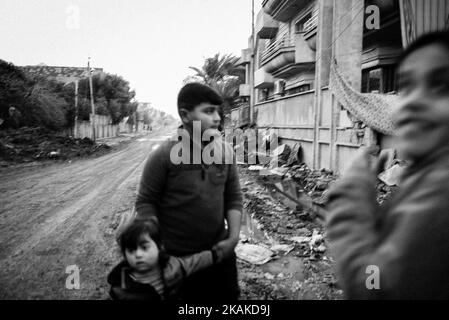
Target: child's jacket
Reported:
point(124, 287)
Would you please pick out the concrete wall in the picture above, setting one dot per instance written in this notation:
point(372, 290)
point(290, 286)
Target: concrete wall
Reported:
point(295, 110)
point(103, 128)
point(84, 130)
point(292, 118)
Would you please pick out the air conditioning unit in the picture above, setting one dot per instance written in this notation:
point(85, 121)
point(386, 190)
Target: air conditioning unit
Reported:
point(279, 87)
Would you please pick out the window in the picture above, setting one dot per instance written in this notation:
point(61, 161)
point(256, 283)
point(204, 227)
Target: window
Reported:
point(381, 80)
point(304, 87)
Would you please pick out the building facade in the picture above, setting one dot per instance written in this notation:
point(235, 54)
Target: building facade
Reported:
point(325, 69)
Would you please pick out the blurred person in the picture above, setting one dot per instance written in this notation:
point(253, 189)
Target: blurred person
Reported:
point(406, 239)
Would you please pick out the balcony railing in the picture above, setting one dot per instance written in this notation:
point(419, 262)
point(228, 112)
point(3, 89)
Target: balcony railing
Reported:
point(275, 46)
point(312, 22)
point(284, 10)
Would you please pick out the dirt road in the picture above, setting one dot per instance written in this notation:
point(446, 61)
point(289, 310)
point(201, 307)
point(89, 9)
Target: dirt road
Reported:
point(61, 215)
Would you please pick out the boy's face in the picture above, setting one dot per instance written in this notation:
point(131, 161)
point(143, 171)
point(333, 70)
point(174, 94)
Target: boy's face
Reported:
point(145, 256)
point(205, 112)
point(422, 117)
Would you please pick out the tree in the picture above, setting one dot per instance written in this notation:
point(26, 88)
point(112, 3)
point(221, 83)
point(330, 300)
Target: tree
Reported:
point(28, 101)
point(216, 68)
point(112, 97)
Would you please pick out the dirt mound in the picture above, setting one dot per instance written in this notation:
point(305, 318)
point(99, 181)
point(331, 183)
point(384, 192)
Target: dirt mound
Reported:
point(34, 144)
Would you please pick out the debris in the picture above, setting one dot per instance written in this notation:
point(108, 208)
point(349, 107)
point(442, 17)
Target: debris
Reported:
point(255, 168)
point(281, 171)
point(296, 286)
point(391, 177)
point(254, 254)
point(316, 238)
point(295, 155)
point(259, 157)
point(268, 276)
point(54, 154)
point(266, 172)
point(285, 248)
point(301, 239)
point(280, 156)
point(30, 144)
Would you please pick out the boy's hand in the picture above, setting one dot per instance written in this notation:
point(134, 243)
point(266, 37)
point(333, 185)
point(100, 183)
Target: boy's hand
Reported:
point(225, 248)
point(367, 160)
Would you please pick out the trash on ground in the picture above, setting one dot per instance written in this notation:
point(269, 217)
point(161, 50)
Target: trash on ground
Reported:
point(254, 254)
point(256, 168)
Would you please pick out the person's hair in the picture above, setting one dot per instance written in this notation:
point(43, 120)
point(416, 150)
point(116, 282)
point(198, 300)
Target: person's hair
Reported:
point(433, 38)
point(194, 94)
point(132, 235)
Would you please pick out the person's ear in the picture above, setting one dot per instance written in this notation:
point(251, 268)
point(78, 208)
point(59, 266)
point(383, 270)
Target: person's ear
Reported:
point(185, 115)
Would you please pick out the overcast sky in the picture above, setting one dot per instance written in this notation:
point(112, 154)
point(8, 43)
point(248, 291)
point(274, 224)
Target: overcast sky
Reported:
point(150, 43)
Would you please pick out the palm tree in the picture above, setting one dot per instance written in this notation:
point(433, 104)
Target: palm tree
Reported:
point(216, 69)
point(222, 74)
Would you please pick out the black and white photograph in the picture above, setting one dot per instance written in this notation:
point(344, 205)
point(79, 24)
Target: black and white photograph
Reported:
point(229, 153)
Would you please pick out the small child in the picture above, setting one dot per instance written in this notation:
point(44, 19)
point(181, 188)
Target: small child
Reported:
point(147, 272)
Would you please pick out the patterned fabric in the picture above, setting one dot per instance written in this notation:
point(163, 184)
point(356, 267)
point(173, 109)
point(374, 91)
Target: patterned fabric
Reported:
point(375, 110)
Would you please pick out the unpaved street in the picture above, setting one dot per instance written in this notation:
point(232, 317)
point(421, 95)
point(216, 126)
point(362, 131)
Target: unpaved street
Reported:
point(64, 214)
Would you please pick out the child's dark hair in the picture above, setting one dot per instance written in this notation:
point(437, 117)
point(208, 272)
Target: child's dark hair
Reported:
point(193, 94)
point(132, 236)
point(433, 38)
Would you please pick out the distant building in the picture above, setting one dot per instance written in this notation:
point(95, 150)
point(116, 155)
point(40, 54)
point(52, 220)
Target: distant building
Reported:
point(60, 74)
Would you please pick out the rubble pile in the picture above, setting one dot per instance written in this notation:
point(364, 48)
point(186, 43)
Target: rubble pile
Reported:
point(34, 144)
point(285, 258)
point(285, 255)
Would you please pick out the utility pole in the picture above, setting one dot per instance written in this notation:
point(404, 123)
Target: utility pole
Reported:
point(253, 62)
point(75, 131)
point(92, 120)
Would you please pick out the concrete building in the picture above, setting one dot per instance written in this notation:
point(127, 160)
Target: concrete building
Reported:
point(320, 64)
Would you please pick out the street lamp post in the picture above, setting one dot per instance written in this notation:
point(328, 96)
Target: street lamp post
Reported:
point(92, 121)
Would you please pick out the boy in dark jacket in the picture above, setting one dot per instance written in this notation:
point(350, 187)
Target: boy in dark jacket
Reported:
point(401, 249)
point(196, 203)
